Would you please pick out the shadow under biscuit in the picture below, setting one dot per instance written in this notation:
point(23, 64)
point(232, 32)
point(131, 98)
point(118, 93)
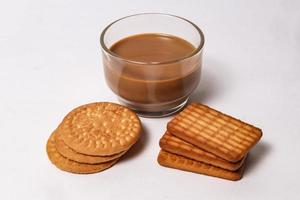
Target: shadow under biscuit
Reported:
point(138, 147)
point(256, 155)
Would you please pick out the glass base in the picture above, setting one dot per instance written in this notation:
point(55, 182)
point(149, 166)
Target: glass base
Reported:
point(149, 113)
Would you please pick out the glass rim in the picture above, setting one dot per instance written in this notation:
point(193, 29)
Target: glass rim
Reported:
point(107, 50)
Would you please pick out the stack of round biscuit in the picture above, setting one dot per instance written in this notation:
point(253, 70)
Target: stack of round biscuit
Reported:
point(93, 137)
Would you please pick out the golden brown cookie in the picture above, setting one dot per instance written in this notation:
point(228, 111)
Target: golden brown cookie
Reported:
point(100, 129)
point(69, 153)
point(215, 132)
point(167, 159)
point(71, 166)
point(177, 146)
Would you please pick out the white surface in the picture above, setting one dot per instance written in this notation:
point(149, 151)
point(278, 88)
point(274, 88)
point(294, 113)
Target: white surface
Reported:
point(50, 63)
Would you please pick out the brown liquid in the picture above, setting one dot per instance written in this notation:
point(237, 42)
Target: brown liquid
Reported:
point(146, 83)
point(152, 48)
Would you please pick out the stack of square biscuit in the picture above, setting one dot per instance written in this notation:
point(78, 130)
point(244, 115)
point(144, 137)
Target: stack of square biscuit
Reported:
point(93, 137)
point(202, 140)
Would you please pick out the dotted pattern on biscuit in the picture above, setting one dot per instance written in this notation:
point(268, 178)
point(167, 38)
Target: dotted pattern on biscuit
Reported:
point(69, 153)
point(100, 129)
point(71, 166)
point(167, 159)
point(214, 131)
point(175, 145)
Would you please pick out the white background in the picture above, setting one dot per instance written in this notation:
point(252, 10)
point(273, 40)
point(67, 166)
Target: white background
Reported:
point(50, 63)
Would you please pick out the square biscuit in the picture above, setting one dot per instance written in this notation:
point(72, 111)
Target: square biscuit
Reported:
point(215, 132)
point(170, 160)
point(177, 146)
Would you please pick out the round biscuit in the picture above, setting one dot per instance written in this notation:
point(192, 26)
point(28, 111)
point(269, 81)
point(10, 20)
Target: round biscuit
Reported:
point(100, 129)
point(69, 153)
point(71, 166)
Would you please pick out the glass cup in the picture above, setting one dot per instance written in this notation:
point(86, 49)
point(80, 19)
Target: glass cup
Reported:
point(152, 89)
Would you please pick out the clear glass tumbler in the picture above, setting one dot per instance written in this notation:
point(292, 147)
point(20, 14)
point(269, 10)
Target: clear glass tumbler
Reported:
point(152, 89)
